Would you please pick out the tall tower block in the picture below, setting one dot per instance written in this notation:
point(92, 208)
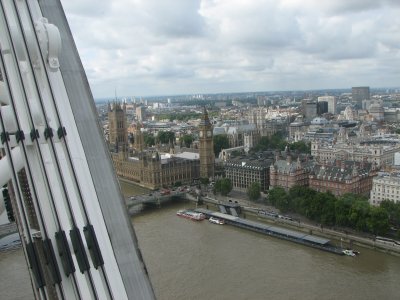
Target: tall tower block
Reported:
point(206, 147)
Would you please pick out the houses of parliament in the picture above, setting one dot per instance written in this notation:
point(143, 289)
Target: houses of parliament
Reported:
point(153, 167)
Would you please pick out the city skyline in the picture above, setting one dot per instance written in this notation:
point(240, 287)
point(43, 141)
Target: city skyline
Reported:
point(144, 48)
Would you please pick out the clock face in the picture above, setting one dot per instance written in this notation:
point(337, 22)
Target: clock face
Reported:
point(201, 133)
point(208, 133)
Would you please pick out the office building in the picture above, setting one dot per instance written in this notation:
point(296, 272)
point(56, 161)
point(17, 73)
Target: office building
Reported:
point(359, 94)
point(331, 100)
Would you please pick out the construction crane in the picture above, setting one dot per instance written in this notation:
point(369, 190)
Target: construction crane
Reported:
point(77, 237)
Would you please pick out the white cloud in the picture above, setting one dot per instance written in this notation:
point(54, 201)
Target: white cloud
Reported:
point(201, 46)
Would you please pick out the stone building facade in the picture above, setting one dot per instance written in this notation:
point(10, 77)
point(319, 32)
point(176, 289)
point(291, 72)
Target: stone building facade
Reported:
point(374, 153)
point(385, 186)
point(243, 172)
point(117, 125)
point(153, 168)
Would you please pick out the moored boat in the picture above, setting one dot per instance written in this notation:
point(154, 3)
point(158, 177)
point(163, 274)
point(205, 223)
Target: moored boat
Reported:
point(190, 214)
point(349, 252)
point(216, 221)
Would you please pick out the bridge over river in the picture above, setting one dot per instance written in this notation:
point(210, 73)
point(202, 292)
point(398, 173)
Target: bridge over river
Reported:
point(157, 198)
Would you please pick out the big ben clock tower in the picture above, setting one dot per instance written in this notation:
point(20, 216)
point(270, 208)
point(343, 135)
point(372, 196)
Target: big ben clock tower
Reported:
point(206, 147)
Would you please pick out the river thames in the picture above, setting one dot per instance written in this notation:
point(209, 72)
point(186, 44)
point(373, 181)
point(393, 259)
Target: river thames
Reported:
point(200, 260)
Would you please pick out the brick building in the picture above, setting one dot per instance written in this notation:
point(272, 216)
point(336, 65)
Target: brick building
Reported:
point(343, 177)
point(287, 173)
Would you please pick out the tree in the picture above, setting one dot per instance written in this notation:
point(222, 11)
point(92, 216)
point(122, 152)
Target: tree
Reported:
point(301, 197)
point(358, 214)
point(278, 197)
point(301, 146)
point(149, 139)
point(276, 141)
point(342, 209)
point(393, 210)
point(327, 216)
point(166, 137)
point(378, 220)
point(254, 191)
point(221, 141)
point(187, 140)
point(223, 186)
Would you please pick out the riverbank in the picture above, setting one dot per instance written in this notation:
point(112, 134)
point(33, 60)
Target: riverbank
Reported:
point(345, 238)
point(249, 207)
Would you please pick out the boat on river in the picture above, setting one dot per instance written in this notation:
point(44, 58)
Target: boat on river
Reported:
point(216, 221)
point(349, 252)
point(190, 214)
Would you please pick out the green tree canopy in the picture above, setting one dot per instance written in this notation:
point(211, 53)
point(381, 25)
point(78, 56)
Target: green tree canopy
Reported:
point(301, 146)
point(358, 214)
point(254, 191)
point(393, 210)
point(276, 141)
point(278, 197)
point(166, 137)
point(148, 139)
point(223, 186)
point(187, 140)
point(221, 141)
point(378, 220)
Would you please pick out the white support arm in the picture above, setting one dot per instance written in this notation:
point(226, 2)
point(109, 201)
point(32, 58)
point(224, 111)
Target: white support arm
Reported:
point(5, 171)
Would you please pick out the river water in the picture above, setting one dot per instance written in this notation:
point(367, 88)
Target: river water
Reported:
point(200, 260)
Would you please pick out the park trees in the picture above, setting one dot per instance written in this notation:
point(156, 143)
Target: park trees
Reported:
point(148, 139)
point(301, 146)
point(254, 191)
point(278, 197)
point(166, 137)
point(220, 141)
point(223, 186)
point(393, 210)
point(378, 220)
point(187, 140)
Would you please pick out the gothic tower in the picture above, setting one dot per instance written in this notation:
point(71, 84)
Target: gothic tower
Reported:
point(206, 147)
point(117, 126)
point(139, 139)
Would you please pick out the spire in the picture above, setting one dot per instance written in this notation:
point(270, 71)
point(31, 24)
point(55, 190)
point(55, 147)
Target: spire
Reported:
point(204, 118)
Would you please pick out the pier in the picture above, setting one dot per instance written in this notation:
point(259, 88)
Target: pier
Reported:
point(282, 233)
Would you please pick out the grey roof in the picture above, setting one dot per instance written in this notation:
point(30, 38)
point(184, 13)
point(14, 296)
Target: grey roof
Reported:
point(285, 167)
point(345, 171)
point(316, 239)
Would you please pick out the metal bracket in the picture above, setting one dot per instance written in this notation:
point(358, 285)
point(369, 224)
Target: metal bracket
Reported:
point(50, 42)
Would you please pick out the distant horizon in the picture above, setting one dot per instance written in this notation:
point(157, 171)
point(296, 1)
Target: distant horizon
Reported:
point(243, 92)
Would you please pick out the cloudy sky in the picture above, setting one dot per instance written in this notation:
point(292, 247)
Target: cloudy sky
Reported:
point(167, 47)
